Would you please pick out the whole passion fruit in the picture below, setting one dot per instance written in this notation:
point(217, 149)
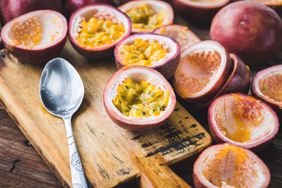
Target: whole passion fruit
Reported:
point(253, 31)
point(10, 9)
point(225, 165)
point(199, 11)
point(138, 97)
point(146, 15)
point(35, 37)
point(267, 85)
point(94, 30)
point(202, 71)
point(182, 34)
point(151, 50)
point(242, 120)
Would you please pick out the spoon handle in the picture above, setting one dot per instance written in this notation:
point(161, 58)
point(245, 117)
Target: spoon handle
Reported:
point(77, 172)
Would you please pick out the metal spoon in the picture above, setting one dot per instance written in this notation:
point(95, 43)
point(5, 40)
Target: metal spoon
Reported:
point(62, 91)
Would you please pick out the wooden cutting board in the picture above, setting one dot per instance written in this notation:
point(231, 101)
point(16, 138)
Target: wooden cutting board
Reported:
point(111, 156)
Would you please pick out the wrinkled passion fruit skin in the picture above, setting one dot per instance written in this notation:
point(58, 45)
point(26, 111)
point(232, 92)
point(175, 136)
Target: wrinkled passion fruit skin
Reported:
point(256, 90)
point(253, 31)
point(195, 13)
point(71, 5)
point(38, 56)
point(10, 9)
point(218, 136)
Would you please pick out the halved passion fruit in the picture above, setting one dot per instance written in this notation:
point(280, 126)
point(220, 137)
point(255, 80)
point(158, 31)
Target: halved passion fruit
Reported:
point(242, 120)
point(182, 34)
point(146, 15)
point(202, 71)
point(138, 97)
point(35, 37)
point(199, 11)
point(94, 30)
point(267, 85)
point(225, 165)
point(150, 50)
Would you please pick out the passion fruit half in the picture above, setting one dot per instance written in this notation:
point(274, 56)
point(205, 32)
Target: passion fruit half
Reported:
point(267, 85)
point(94, 30)
point(151, 50)
point(225, 165)
point(146, 15)
point(182, 34)
point(202, 71)
point(242, 120)
point(199, 11)
point(138, 97)
point(35, 37)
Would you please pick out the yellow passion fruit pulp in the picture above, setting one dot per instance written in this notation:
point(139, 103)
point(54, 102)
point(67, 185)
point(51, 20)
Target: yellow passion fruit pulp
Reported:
point(140, 99)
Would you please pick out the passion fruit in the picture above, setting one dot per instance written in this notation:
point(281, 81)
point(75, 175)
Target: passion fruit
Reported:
point(247, 32)
point(242, 120)
point(267, 85)
point(225, 165)
point(35, 37)
point(94, 30)
point(152, 50)
point(138, 97)
point(10, 9)
point(182, 34)
point(202, 71)
point(199, 11)
point(146, 15)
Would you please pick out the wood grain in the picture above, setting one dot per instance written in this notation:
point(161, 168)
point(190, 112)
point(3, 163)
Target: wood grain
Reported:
point(108, 152)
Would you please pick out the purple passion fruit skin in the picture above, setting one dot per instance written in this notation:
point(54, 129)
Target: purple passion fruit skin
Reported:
point(241, 119)
point(140, 75)
point(248, 33)
point(213, 74)
point(101, 52)
point(30, 23)
point(10, 9)
point(166, 66)
point(275, 5)
point(198, 12)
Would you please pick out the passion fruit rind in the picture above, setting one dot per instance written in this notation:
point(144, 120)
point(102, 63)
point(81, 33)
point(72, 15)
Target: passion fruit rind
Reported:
point(221, 78)
point(238, 156)
point(198, 12)
point(165, 66)
point(35, 55)
point(103, 51)
point(256, 91)
point(254, 145)
point(139, 73)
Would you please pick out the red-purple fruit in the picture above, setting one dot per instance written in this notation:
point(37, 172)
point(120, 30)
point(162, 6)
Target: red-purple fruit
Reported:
point(202, 71)
point(35, 37)
point(182, 34)
point(138, 97)
point(242, 120)
point(94, 30)
point(253, 31)
point(151, 50)
point(10, 9)
point(72, 5)
point(267, 85)
point(146, 15)
point(199, 11)
point(226, 165)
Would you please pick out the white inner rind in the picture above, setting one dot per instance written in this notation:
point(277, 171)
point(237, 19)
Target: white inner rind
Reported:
point(211, 3)
point(167, 43)
point(54, 28)
point(258, 132)
point(138, 75)
point(204, 47)
point(157, 6)
point(99, 10)
point(209, 155)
